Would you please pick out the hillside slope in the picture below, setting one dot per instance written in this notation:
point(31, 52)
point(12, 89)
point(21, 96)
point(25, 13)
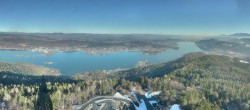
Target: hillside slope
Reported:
point(28, 69)
point(196, 81)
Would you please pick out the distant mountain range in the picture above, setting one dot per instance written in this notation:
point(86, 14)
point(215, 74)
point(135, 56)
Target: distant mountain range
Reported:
point(88, 43)
point(240, 35)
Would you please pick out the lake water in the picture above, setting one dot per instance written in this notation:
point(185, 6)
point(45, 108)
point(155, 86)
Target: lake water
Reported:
point(71, 63)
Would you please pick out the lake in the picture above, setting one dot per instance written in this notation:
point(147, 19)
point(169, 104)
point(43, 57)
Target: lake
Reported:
point(75, 62)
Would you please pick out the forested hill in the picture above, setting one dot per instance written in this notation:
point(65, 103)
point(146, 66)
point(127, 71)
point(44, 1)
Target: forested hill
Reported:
point(202, 81)
point(210, 82)
point(28, 69)
point(189, 63)
point(219, 80)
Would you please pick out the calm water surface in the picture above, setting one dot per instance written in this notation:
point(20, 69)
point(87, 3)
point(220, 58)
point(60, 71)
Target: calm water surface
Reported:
point(71, 63)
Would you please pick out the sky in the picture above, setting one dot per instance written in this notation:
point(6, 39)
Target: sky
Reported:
point(179, 17)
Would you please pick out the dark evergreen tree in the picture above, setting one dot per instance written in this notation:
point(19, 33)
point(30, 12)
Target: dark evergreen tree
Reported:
point(43, 101)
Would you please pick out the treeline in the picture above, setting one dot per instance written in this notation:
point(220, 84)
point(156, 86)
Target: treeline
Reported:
point(21, 91)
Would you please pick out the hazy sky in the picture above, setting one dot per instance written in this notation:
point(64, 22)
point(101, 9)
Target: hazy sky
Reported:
point(185, 17)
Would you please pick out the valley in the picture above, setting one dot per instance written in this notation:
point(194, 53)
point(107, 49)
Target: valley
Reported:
point(194, 81)
point(124, 55)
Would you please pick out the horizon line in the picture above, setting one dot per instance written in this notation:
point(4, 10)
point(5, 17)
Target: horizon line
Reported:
point(121, 33)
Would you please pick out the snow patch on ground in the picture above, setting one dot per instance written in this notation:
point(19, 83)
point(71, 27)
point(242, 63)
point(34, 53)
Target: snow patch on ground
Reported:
point(243, 61)
point(119, 95)
point(152, 102)
point(155, 93)
point(142, 106)
point(175, 107)
point(147, 95)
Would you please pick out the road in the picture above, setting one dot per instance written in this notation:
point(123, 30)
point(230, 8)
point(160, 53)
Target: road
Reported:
point(101, 103)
